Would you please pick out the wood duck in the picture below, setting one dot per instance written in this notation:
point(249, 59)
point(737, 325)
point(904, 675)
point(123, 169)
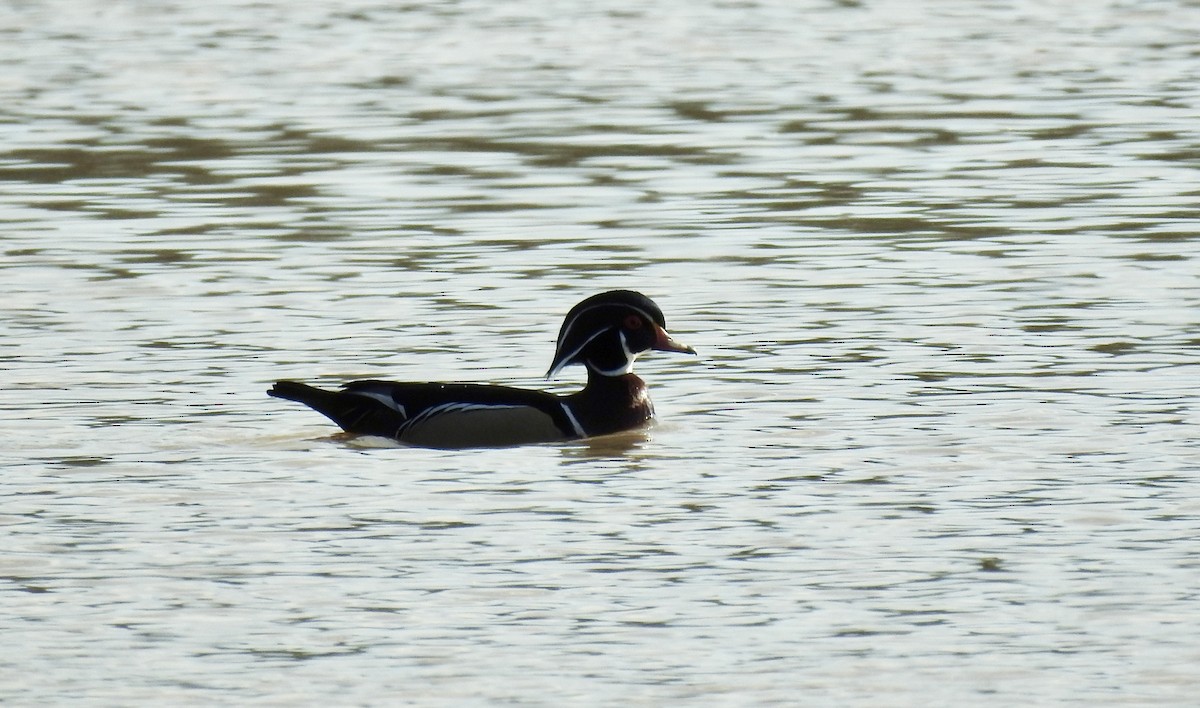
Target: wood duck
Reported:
point(604, 333)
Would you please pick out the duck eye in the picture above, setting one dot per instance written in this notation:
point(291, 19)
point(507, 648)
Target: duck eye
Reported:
point(633, 322)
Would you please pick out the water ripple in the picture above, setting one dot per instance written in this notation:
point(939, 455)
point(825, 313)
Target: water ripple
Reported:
point(938, 444)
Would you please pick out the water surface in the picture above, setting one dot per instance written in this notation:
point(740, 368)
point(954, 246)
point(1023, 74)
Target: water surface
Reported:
point(938, 258)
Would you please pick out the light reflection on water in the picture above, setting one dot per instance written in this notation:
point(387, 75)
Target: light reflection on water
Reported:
point(938, 446)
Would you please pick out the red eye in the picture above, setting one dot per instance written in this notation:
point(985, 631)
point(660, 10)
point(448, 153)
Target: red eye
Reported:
point(633, 322)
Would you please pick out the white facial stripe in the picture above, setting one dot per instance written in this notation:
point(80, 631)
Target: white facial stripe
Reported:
point(567, 359)
point(571, 322)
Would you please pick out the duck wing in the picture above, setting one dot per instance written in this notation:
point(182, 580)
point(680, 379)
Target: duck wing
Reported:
point(445, 415)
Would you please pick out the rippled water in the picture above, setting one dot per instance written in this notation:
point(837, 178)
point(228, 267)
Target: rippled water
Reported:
point(939, 260)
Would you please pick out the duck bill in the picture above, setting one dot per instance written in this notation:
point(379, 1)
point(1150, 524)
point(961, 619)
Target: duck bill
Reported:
point(664, 343)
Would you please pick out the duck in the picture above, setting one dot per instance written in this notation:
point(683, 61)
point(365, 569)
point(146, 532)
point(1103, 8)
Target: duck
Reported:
point(605, 333)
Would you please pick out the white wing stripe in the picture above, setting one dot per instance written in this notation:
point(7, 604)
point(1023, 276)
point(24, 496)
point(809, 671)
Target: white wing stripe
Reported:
point(384, 399)
point(434, 411)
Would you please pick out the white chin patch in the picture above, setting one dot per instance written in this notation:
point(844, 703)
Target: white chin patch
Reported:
point(627, 369)
point(630, 357)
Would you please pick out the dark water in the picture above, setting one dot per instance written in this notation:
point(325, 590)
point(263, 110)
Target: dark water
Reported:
point(939, 259)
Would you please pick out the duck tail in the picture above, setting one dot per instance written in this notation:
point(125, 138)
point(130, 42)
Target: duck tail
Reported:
point(349, 412)
point(301, 393)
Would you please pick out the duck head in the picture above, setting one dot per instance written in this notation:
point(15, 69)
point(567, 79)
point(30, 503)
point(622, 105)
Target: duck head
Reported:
point(608, 332)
